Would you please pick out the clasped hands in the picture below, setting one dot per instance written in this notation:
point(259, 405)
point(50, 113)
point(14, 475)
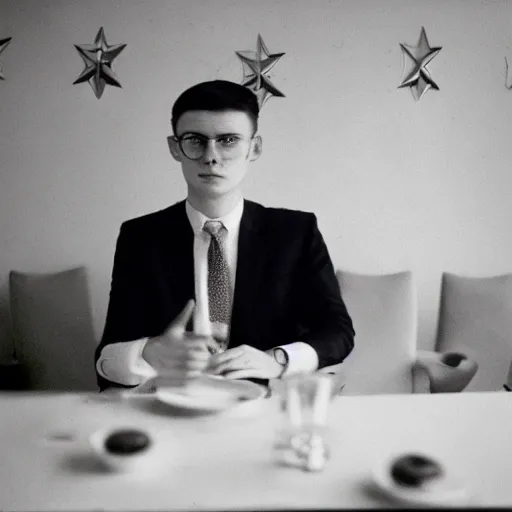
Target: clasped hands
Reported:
point(179, 354)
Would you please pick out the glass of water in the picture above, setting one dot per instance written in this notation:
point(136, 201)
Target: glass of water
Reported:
point(305, 402)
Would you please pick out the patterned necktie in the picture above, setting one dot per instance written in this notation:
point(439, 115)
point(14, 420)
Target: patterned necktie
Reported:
point(219, 291)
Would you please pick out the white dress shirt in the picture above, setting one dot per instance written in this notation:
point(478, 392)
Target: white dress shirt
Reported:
point(123, 362)
point(231, 222)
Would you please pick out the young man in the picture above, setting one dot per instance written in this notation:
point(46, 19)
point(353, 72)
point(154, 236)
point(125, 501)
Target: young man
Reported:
point(220, 270)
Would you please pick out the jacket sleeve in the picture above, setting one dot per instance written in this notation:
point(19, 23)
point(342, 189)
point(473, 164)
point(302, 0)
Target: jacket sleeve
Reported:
point(326, 324)
point(126, 313)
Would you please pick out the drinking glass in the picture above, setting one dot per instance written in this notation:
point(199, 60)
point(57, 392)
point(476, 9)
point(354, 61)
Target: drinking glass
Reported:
point(220, 333)
point(305, 404)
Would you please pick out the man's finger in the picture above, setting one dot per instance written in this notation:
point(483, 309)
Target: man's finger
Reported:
point(247, 373)
point(237, 363)
point(229, 354)
point(179, 324)
point(195, 364)
point(220, 361)
point(201, 344)
point(170, 375)
point(212, 345)
point(198, 355)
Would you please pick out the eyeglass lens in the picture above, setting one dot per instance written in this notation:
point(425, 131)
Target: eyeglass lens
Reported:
point(194, 146)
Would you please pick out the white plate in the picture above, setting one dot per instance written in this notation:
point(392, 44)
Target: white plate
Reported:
point(445, 491)
point(210, 394)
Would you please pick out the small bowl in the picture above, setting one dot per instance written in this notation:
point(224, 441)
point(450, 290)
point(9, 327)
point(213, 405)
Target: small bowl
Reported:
point(124, 448)
point(415, 470)
point(417, 478)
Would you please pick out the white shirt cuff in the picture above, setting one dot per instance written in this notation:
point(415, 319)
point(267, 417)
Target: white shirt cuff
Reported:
point(302, 358)
point(123, 363)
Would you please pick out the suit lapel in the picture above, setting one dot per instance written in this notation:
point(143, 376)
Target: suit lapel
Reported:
point(178, 253)
point(251, 255)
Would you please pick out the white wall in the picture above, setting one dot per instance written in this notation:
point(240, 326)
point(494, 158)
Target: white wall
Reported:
point(395, 184)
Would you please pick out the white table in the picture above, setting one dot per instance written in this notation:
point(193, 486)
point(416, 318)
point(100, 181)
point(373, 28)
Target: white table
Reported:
point(226, 462)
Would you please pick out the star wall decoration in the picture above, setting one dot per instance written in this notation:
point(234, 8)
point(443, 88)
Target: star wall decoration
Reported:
point(4, 43)
point(418, 78)
point(98, 58)
point(256, 67)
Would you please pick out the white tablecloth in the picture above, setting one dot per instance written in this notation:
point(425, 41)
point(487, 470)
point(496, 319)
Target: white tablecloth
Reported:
point(227, 461)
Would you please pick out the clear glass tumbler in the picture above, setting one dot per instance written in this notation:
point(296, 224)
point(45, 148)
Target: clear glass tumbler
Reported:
point(305, 403)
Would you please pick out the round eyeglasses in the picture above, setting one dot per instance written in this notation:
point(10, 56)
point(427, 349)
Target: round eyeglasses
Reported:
point(194, 145)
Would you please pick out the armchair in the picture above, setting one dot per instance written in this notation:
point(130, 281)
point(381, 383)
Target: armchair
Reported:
point(384, 360)
point(475, 318)
point(53, 333)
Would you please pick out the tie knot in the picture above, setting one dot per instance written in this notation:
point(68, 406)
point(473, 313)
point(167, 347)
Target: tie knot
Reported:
point(214, 227)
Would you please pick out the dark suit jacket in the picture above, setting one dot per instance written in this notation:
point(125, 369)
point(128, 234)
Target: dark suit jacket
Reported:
point(286, 289)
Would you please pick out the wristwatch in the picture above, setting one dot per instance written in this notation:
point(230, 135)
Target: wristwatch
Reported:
point(281, 356)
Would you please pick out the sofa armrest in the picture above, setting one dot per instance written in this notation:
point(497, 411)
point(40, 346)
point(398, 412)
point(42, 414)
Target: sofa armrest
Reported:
point(420, 380)
point(447, 372)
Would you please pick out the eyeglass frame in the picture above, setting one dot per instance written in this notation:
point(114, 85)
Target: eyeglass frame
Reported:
point(179, 139)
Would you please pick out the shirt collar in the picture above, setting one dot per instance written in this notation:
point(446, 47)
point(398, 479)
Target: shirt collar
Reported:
point(231, 220)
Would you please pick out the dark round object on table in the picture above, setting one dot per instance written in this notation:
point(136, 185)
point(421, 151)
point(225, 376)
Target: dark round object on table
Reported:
point(414, 470)
point(127, 442)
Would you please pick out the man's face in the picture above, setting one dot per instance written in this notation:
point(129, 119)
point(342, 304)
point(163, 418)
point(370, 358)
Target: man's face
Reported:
point(229, 146)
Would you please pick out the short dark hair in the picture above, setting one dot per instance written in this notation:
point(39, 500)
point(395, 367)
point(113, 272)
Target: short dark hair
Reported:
point(217, 95)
